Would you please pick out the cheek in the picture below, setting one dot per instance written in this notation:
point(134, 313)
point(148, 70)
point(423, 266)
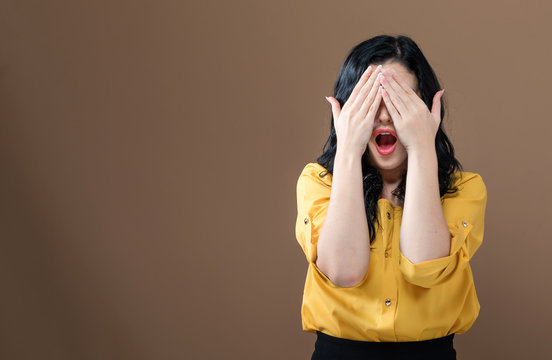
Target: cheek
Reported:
point(371, 141)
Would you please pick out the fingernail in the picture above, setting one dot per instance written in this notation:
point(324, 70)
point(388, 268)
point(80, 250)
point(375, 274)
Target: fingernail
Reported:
point(369, 68)
point(443, 91)
point(327, 98)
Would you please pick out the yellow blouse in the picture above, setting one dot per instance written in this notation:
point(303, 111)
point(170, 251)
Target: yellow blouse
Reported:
point(396, 300)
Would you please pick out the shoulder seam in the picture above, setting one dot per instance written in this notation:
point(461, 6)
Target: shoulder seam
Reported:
point(314, 170)
point(465, 176)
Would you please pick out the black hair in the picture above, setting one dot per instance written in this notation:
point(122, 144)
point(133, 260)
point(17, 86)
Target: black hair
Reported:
point(378, 50)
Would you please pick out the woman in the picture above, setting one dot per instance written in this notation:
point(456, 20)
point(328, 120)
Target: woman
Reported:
point(387, 218)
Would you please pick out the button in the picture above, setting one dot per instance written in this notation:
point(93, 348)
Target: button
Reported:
point(387, 302)
point(465, 224)
point(386, 254)
point(306, 220)
point(388, 215)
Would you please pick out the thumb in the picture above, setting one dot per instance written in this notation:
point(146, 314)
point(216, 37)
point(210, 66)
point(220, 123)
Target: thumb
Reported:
point(436, 107)
point(336, 108)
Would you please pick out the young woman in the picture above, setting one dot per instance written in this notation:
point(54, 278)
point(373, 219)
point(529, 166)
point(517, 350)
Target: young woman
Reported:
point(387, 218)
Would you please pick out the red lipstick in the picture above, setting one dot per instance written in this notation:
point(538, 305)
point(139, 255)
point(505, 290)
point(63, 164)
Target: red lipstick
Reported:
point(388, 145)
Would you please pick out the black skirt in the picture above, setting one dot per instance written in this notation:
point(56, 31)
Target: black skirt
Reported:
point(329, 347)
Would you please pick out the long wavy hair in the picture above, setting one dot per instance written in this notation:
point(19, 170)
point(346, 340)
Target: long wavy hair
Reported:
point(378, 50)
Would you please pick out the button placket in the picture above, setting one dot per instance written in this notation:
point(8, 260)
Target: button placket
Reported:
point(388, 213)
point(390, 216)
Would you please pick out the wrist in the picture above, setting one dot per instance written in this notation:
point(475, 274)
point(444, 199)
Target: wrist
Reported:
point(426, 156)
point(348, 153)
point(347, 159)
point(421, 150)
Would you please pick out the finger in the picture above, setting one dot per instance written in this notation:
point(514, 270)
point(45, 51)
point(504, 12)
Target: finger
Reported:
point(400, 82)
point(360, 84)
point(436, 106)
point(390, 107)
point(392, 94)
point(370, 87)
point(336, 107)
point(391, 78)
point(374, 106)
point(364, 108)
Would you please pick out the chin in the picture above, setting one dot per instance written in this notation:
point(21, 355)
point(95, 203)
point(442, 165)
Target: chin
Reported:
point(396, 159)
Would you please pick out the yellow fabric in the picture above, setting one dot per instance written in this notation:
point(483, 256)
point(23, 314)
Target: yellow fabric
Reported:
point(428, 300)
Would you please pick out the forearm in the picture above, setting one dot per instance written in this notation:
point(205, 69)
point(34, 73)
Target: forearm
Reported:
point(424, 232)
point(343, 245)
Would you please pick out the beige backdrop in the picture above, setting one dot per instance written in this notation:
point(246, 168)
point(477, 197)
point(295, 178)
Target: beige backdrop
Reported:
point(150, 152)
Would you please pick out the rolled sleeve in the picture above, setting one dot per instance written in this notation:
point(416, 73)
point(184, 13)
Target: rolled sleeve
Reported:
point(313, 196)
point(464, 213)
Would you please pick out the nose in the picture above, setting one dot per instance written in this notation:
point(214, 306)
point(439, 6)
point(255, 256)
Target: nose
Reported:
point(383, 115)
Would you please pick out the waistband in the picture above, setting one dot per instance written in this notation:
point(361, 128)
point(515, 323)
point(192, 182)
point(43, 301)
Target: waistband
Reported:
point(442, 342)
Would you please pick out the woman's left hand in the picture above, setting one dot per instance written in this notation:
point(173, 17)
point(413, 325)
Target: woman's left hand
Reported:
point(416, 126)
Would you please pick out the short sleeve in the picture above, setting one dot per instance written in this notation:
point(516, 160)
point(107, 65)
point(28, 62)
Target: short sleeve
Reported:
point(313, 196)
point(465, 216)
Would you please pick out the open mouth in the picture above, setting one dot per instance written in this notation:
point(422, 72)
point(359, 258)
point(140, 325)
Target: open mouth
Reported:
point(385, 143)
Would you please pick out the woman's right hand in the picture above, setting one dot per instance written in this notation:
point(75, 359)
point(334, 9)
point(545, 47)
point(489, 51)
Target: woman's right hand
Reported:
point(354, 123)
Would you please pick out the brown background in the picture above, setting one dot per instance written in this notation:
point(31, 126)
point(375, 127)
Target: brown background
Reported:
point(150, 152)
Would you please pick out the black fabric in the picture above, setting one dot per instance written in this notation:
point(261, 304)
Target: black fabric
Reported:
point(333, 348)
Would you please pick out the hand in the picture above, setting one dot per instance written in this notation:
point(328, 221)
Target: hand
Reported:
point(354, 123)
point(416, 126)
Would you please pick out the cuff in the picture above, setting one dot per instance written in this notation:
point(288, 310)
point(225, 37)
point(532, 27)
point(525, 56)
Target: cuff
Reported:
point(432, 272)
point(303, 232)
